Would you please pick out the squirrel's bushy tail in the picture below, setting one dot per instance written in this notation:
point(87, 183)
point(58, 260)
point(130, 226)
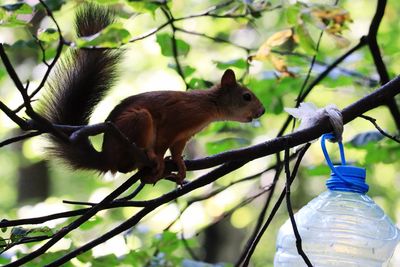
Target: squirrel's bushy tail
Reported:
point(81, 80)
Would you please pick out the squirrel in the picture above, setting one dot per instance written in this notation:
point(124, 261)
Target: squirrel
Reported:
point(153, 121)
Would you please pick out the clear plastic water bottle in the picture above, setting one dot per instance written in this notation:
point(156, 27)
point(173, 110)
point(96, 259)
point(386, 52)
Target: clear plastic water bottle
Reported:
point(341, 227)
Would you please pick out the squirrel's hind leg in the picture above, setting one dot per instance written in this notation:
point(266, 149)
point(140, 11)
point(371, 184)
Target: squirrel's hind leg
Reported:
point(137, 125)
point(176, 154)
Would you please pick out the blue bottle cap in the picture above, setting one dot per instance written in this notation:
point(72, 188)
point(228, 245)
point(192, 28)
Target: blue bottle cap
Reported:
point(348, 179)
point(344, 177)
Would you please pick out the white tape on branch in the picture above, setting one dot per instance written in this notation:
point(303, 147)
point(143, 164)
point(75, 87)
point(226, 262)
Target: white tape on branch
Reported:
point(309, 115)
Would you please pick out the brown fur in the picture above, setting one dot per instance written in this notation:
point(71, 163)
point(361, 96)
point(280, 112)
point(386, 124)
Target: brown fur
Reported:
point(162, 120)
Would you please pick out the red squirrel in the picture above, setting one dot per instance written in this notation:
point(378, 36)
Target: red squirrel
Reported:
point(153, 121)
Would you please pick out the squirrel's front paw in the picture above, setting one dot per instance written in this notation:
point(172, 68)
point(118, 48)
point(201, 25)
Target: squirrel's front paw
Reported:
point(178, 179)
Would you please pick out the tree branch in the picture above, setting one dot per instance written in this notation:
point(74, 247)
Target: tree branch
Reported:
point(377, 57)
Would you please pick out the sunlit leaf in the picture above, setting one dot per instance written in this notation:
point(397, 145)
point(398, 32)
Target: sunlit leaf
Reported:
point(137, 258)
point(318, 170)
point(284, 40)
point(293, 13)
point(340, 41)
point(111, 37)
point(166, 242)
point(18, 8)
point(144, 6)
point(333, 17)
point(40, 231)
point(226, 144)
point(280, 65)
point(165, 42)
point(91, 223)
point(48, 35)
point(237, 63)
point(187, 70)
point(4, 260)
point(105, 261)
point(11, 20)
point(87, 256)
point(305, 40)
point(386, 151)
point(197, 83)
point(279, 39)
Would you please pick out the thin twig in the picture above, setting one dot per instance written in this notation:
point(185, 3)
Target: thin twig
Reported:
point(278, 203)
point(19, 138)
point(55, 59)
point(373, 121)
point(261, 216)
point(289, 180)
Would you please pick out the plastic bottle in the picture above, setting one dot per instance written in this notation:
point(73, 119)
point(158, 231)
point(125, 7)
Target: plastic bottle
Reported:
point(341, 227)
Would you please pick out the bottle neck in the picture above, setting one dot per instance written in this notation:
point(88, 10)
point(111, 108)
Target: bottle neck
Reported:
point(348, 179)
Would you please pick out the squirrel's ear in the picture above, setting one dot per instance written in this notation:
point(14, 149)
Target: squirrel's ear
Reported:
point(228, 79)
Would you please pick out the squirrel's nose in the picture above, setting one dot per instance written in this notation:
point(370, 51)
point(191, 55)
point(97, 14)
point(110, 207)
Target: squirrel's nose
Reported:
point(261, 112)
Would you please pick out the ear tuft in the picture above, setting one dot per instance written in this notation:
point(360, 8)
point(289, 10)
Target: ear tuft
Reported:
point(228, 78)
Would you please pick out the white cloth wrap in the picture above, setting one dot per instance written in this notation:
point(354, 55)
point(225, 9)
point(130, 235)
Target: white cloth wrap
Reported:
point(309, 115)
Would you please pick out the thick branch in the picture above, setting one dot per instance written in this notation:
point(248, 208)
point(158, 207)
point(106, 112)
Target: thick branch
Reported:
point(371, 101)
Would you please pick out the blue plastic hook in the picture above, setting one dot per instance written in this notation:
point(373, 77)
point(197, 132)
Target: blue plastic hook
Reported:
point(344, 177)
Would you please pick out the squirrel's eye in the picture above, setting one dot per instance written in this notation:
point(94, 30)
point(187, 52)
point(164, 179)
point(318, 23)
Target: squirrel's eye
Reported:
point(247, 97)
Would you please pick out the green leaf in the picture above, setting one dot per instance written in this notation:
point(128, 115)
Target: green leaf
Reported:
point(4, 260)
point(48, 258)
point(165, 42)
point(48, 35)
point(385, 151)
point(86, 256)
point(111, 37)
point(187, 70)
point(226, 144)
point(105, 261)
point(3, 242)
point(292, 14)
point(3, 229)
point(40, 231)
point(144, 6)
point(19, 45)
point(197, 83)
point(305, 40)
point(10, 20)
point(167, 242)
point(18, 8)
point(237, 63)
point(18, 233)
point(318, 170)
point(137, 258)
point(91, 223)
point(54, 5)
